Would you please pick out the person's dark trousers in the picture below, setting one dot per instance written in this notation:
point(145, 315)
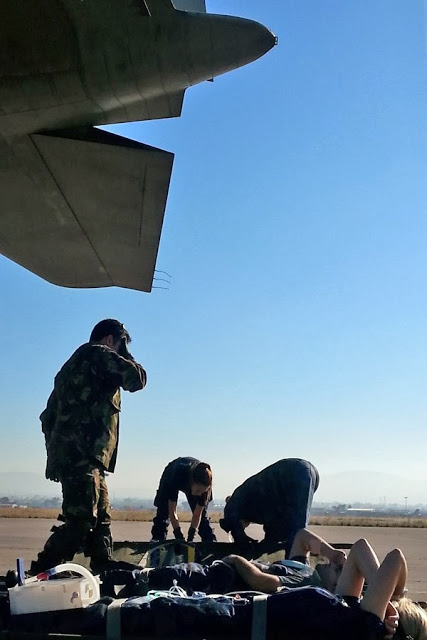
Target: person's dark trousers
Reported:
point(205, 529)
point(161, 520)
point(293, 496)
point(86, 514)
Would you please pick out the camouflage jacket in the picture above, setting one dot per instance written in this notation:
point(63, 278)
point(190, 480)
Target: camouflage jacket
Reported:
point(81, 420)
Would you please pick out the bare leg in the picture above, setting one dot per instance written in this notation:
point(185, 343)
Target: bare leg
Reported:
point(383, 581)
point(389, 578)
point(362, 563)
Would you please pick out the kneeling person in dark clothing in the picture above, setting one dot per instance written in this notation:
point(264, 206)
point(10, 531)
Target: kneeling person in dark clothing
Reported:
point(279, 497)
point(194, 479)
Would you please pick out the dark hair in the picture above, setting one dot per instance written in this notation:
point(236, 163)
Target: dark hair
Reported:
point(202, 474)
point(109, 327)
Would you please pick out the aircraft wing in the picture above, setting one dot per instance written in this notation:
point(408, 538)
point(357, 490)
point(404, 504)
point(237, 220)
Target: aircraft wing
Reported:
point(168, 105)
point(83, 207)
point(198, 6)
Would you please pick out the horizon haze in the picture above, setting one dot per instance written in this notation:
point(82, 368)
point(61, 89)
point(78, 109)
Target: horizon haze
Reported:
point(347, 487)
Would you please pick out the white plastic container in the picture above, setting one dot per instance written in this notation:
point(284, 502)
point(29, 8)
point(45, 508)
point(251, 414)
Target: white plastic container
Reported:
point(55, 595)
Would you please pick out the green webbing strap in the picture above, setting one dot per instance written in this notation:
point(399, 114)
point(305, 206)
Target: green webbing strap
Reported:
point(259, 617)
point(113, 626)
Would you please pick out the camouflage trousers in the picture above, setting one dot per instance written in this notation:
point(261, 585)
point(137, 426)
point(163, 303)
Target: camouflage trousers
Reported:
point(86, 514)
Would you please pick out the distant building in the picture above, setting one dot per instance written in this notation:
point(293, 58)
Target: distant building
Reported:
point(357, 510)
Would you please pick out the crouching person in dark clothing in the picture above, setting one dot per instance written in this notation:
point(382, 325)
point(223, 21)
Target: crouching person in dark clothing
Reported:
point(279, 497)
point(194, 479)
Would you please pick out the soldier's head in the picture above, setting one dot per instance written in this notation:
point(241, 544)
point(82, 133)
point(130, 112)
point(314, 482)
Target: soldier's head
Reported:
point(110, 332)
point(201, 479)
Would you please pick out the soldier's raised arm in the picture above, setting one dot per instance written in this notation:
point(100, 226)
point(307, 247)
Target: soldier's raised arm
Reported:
point(125, 371)
point(115, 361)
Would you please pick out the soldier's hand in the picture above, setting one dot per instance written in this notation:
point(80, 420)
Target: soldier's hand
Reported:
point(51, 474)
point(178, 534)
point(191, 534)
point(124, 351)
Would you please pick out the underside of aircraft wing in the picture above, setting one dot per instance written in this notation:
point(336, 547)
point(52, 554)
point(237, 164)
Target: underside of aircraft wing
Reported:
point(83, 207)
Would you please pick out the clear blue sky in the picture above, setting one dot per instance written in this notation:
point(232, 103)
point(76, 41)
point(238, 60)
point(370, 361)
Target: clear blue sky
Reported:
point(295, 234)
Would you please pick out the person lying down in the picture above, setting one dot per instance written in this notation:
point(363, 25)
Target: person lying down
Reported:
point(309, 609)
point(234, 573)
point(292, 613)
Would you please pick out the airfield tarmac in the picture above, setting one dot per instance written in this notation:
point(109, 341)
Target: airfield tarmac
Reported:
point(24, 537)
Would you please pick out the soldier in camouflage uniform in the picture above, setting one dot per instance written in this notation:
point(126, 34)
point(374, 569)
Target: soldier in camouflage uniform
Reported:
point(81, 429)
point(278, 497)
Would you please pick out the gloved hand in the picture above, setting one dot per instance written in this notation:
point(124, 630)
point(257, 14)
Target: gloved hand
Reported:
point(209, 538)
point(178, 534)
point(243, 539)
point(191, 534)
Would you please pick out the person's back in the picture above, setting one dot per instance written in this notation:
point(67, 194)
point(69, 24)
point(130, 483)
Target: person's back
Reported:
point(177, 475)
point(279, 497)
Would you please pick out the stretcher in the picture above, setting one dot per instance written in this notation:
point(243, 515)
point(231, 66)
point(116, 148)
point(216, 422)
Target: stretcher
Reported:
point(147, 554)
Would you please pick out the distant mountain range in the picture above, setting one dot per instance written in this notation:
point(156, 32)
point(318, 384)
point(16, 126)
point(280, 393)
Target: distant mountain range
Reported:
point(372, 487)
point(346, 487)
point(26, 483)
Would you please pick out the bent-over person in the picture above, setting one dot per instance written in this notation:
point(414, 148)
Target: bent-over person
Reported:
point(194, 479)
point(279, 497)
